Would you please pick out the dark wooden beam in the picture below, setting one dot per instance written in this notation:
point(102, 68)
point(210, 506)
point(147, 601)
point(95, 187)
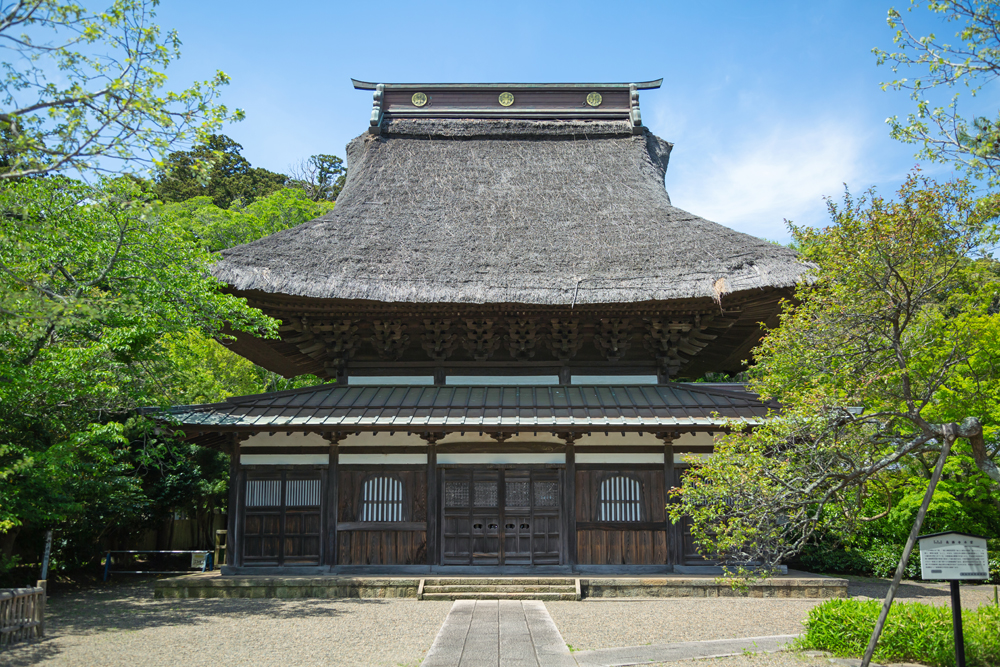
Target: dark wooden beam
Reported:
point(234, 527)
point(433, 499)
point(569, 501)
point(673, 531)
point(622, 525)
point(382, 525)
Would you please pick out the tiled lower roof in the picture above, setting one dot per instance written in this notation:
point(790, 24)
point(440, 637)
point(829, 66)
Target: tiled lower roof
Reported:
point(491, 408)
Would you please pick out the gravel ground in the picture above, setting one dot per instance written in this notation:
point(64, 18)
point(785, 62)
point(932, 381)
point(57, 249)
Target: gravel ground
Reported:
point(607, 623)
point(754, 660)
point(926, 592)
point(124, 625)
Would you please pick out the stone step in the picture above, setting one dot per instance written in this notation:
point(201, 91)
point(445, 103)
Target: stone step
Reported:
point(499, 589)
point(485, 595)
point(501, 581)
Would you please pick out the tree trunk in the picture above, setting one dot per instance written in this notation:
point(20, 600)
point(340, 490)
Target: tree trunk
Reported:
point(7, 541)
point(950, 432)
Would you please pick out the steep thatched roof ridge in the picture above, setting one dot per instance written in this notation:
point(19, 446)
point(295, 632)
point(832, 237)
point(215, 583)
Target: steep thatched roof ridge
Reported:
point(505, 211)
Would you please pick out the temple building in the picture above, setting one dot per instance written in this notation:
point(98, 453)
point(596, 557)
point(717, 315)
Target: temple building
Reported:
point(514, 315)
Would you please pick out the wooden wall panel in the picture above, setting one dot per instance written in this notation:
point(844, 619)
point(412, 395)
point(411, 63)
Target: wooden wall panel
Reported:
point(382, 547)
point(622, 547)
point(588, 492)
point(685, 552)
point(352, 481)
point(619, 545)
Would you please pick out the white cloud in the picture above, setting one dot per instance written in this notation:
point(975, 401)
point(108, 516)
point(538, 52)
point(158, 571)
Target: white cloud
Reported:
point(753, 177)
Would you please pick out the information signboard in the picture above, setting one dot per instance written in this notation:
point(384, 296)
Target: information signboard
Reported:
point(953, 557)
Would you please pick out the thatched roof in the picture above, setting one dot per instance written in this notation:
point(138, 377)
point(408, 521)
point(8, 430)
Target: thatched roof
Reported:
point(508, 211)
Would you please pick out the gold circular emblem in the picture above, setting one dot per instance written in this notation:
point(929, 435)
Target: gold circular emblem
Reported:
point(418, 99)
point(506, 99)
point(594, 99)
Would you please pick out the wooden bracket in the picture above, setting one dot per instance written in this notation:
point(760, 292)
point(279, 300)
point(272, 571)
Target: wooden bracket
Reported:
point(668, 436)
point(334, 437)
point(569, 437)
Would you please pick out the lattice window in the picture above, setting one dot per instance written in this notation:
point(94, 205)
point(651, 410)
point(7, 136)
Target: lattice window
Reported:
point(516, 493)
point(546, 493)
point(456, 494)
point(382, 499)
point(485, 494)
point(621, 499)
point(302, 493)
point(263, 493)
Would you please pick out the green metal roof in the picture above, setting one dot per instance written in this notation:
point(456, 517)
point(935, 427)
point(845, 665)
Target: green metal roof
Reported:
point(490, 408)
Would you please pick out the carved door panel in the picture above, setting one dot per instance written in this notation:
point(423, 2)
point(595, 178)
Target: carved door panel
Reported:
point(486, 517)
point(517, 518)
point(457, 538)
point(457, 522)
point(546, 524)
point(500, 517)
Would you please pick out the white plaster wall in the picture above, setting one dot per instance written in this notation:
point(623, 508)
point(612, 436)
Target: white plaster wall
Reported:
point(526, 458)
point(381, 459)
point(382, 439)
point(612, 457)
point(283, 459)
point(285, 440)
point(473, 437)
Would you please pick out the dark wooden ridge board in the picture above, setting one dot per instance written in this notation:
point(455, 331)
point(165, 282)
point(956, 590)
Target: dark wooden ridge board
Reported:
point(533, 101)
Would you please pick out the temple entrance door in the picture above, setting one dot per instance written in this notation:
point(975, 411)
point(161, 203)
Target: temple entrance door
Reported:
point(500, 517)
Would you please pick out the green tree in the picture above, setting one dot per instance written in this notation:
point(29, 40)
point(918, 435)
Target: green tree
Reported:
point(218, 228)
point(205, 370)
point(229, 178)
point(889, 356)
point(970, 61)
point(92, 288)
point(321, 177)
point(86, 90)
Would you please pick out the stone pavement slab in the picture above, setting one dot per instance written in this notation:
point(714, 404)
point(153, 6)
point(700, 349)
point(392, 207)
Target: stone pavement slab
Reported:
point(633, 655)
point(500, 633)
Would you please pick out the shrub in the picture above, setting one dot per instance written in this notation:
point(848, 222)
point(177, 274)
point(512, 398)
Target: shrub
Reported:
point(878, 559)
point(882, 559)
point(913, 632)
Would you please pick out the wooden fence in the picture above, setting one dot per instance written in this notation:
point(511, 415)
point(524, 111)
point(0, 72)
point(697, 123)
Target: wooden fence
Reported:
point(22, 613)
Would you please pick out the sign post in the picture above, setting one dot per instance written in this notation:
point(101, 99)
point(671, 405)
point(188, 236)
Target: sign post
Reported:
point(954, 557)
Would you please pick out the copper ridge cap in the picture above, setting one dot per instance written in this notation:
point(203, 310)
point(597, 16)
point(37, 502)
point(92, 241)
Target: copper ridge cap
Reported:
point(643, 85)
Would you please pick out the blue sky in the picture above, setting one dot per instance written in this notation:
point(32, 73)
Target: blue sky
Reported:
point(770, 105)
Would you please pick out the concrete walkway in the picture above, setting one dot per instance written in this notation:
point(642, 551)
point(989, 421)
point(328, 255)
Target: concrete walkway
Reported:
point(633, 655)
point(501, 633)
point(515, 633)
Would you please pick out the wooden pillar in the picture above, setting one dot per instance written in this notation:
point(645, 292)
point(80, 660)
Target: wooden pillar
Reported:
point(433, 499)
point(569, 500)
point(235, 511)
point(332, 505)
point(675, 534)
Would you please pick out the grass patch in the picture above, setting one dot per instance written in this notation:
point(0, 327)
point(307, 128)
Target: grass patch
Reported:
point(914, 632)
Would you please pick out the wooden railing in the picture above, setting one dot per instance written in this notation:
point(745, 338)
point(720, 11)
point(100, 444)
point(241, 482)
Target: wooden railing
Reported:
point(22, 613)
